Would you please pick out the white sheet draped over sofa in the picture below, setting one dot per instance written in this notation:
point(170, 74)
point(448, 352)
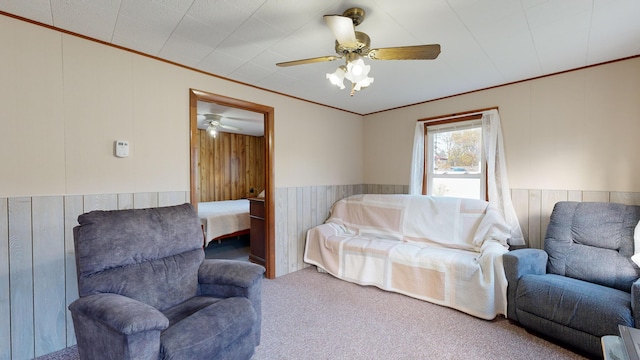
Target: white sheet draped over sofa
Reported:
point(443, 250)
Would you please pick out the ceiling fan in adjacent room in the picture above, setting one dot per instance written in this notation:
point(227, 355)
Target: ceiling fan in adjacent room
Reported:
point(353, 46)
point(214, 123)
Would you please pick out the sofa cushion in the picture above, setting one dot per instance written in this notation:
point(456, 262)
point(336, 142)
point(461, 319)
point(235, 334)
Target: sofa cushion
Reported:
point(576, 304)
point(209, 332)
point(374, 215)
point(188, 308)
point(450, 222)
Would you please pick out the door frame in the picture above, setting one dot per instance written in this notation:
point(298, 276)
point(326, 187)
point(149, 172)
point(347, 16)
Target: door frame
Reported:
point(268, 115)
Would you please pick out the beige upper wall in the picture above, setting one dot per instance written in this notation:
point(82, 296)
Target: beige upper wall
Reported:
point(65, 100)
point(30, 129)
point(572, 131)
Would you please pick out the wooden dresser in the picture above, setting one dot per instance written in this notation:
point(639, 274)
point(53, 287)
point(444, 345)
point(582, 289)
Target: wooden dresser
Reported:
point(257, 242)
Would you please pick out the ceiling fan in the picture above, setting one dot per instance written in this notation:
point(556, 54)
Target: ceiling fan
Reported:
point(214, 122)
point(353, 45)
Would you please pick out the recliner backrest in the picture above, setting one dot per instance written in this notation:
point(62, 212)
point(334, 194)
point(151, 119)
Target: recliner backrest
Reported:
point(151, 255)
point(593, 241)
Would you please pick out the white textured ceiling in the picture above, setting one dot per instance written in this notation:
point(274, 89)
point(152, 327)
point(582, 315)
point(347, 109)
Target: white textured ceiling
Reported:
point(247, 122)
point(484, 42)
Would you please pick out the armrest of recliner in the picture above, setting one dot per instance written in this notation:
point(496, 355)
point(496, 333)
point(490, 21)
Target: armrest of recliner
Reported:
point(635, 302)
point(227, 278)
point(122, 314)
point(525, 261)
point(518, 263)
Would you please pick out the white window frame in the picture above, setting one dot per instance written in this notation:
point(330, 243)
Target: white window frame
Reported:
point(433, 127)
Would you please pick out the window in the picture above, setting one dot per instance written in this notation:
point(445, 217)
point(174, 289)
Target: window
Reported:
point(432, 174)
point(454, 160)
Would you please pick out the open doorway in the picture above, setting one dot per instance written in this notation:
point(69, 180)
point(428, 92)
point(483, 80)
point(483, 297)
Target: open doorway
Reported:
point(264, 180)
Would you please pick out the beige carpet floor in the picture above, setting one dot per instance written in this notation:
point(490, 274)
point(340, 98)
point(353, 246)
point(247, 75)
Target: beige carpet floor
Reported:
point(311, 315)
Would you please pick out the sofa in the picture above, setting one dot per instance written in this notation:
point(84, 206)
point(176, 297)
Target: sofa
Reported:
point(584, 283)
point(146, 291)
point(447, 251)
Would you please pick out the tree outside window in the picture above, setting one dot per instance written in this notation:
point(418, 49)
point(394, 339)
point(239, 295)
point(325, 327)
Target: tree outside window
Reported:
point(455, 165)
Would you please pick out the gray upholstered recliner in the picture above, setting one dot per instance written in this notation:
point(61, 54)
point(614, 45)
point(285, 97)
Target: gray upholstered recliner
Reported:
point(146, 291)
point(584, 283)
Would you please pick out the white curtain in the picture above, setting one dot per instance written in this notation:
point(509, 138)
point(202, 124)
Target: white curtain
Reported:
point(497, 180)
point(417, 161)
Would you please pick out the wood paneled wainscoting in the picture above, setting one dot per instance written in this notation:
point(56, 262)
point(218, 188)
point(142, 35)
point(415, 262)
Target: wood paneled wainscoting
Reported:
point(37, 265)
point(300, 208)
point(37, 260)
point(533, 207)
point(230, 166)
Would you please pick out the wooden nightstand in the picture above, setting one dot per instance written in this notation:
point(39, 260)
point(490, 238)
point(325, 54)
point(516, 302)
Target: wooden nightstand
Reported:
point(256, 234)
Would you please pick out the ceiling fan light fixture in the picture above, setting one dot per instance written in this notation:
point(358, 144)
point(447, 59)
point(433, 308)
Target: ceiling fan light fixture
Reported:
point(357, 73)
point(357, 86)
point(212, 130)
point(364, 83)
point(353, 45)
point(337, 78)
point(357, 70)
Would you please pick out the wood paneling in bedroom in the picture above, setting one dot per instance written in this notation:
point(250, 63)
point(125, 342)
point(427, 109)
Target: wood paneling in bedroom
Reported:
point(268, 116)
point(229, 166)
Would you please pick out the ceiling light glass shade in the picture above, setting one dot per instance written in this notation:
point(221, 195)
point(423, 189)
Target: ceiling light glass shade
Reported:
point(212, 131)
point(337, 78)
point(357, 70)
point(363, 83)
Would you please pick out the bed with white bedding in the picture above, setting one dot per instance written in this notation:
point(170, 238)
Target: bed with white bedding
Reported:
point(222, 219)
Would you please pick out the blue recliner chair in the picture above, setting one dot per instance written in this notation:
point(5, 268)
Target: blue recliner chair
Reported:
point(584, 283)
point(146, 291)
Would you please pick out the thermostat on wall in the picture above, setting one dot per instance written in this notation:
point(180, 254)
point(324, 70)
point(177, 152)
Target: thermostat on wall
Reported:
point(122, 148)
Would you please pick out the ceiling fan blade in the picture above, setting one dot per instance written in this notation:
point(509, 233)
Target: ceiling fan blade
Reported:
point(418, 52)
point(309, 61)
point(242, 119)
point(343, 29)
point(211, 117)
point(229, 127)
